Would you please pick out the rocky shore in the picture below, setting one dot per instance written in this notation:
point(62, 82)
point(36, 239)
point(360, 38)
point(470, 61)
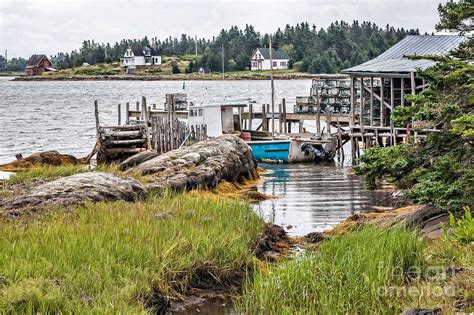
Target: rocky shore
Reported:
point(202, 165)
point(171, 77)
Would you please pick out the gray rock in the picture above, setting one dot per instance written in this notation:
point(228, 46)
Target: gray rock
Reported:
point(74, 190)
point(136, 159)
point(202, 165)
point(422, 311)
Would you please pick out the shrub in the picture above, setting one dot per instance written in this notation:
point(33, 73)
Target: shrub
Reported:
point(461, 230)
point(298, 66)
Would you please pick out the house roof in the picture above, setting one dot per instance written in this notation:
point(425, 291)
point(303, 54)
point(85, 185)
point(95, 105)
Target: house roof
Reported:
point(395, 58)
point(276, 54)
point(139, 50)
point(35, 60)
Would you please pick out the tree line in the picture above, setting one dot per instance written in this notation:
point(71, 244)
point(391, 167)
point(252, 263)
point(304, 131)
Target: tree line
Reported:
point(313, 50)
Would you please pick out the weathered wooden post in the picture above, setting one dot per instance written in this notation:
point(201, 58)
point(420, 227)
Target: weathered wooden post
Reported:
point(267, 111)
point(96, 113)
point(382, 103)
point(250, 115)
point(283, 104)
point(280, 118)
point(264, 118)
point(145, 114)
point(392, 105)
point(328, 122)
point(341, 148)
point(371, 116)
point(119, 114)
point(402, 91)
point(127, 113)
point(138, 108)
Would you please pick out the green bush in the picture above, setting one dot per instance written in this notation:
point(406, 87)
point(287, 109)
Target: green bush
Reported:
point(462, 229)
point(378, 162)
point(298, 66)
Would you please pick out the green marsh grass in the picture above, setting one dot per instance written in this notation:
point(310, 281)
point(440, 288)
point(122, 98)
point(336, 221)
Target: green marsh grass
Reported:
point(342, 276)
point(110, 257)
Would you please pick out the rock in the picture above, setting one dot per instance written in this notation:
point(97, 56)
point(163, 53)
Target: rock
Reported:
point(420, 311)
point(201, 165)
point(136, 159)
point(314, 237)
point(75, 190)
point(273, 240)
point(424, 217)
point(38, 159)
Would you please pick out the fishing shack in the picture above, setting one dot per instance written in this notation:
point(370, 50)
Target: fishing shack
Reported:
point(221, 116)
point(385, 80)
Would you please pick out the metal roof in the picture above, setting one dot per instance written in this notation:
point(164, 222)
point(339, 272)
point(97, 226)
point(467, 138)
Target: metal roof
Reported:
point(395, 58)
point(276, 54)
point(35, 60)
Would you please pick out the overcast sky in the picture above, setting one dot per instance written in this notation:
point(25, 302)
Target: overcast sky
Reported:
point(47, 26)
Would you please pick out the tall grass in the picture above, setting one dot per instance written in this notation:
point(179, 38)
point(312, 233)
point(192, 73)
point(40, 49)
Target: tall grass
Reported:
point(343, 276)
point(111, 257)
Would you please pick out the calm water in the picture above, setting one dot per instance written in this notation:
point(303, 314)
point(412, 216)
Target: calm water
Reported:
point(314, 197)
point(38, 116)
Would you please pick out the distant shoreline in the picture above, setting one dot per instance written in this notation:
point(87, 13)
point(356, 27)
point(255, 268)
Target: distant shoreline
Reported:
point(174, 77)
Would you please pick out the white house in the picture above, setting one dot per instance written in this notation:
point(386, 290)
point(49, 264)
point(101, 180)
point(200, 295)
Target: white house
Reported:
point(261, 59)
point(140, 56)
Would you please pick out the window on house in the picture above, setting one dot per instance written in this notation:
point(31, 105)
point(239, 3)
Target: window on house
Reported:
point(200, 113)
point(283, 63)
point(275, 63)
point(254, 64)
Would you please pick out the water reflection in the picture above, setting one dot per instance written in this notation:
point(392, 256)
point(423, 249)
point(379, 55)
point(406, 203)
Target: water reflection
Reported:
point(314, 197)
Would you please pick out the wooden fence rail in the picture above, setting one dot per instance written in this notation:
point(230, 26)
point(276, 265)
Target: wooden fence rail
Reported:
point(170, 134)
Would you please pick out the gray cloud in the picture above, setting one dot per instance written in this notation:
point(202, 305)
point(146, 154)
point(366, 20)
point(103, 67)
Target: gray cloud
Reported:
point(47, 26)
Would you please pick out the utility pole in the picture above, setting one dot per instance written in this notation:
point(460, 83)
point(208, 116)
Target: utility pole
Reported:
point(222, 62)
point(273, 86)
point(196, 44)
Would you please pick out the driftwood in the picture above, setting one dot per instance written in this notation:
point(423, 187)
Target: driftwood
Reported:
point(200, 165)
point(75, 190)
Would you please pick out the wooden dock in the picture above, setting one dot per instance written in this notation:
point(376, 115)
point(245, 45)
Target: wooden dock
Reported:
point(257, 120)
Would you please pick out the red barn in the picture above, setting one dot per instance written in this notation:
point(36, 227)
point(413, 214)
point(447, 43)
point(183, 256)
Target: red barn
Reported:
point(37, 64)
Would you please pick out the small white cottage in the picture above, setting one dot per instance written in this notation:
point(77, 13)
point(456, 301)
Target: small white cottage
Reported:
point(140, 56)
point(218, 116)
point(261, 59)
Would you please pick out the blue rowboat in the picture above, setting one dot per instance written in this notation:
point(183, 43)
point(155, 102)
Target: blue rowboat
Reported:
point(271, 150)
point(293, 150)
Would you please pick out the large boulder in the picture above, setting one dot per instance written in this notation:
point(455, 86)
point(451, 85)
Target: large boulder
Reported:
point(201, 165)
point(75, 190)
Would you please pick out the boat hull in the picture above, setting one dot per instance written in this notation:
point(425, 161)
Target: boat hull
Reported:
point(288, 151)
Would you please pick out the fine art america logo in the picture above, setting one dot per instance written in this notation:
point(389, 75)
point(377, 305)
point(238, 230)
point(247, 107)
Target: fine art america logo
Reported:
point(437, 276)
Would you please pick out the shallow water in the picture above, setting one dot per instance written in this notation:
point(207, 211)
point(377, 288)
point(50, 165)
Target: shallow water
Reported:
point(314, 197)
